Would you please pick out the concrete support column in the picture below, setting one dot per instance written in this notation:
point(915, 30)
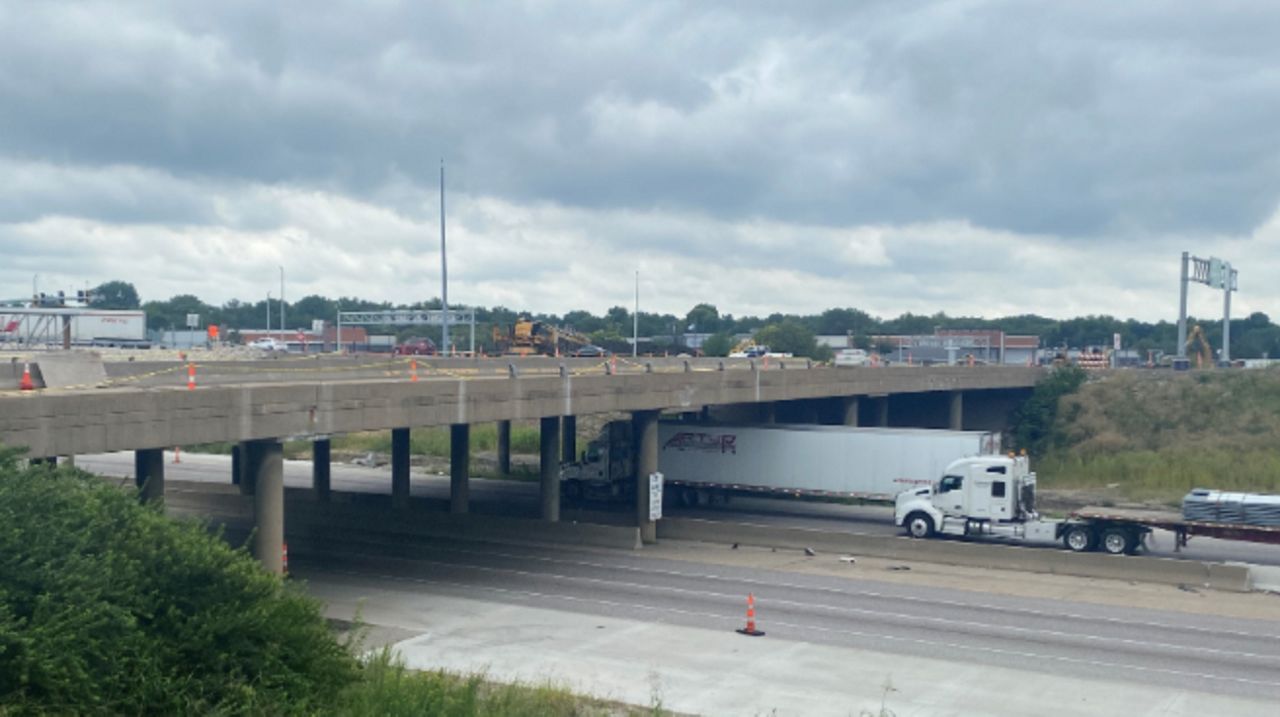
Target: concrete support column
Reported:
point(264, 466)
point(148, 473)
point(769, 412)
point(883, 405)
point(320, 469)
point(645, 428)
point(237, 466)
point(504, 447)
point(459, 467)
point(400, 468)
point(850, 406)
point(569, 438)
point(956, 421)
point(549, 458)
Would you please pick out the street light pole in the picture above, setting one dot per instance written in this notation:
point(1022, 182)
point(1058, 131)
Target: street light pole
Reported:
point(635, 321)
point(268, 313)
point(282, 302)
point(444, 273)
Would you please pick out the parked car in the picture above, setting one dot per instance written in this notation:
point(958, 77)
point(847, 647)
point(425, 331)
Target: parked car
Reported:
point(420, 346)
point(268, 344)
point(591, 351)
point(851, 357)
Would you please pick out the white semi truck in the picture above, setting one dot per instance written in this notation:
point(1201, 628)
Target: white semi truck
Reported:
point(994, 495)
point(702, 462)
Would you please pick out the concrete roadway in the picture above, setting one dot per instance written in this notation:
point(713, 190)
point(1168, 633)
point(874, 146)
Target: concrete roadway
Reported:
point(837, 638)
point(521, 498)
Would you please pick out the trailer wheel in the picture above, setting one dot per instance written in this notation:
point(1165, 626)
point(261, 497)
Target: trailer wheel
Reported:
point(1079, 539)
point(919, 525)
point(1117, 541)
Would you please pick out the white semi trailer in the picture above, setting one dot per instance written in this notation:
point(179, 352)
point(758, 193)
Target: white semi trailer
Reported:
point(701, 462)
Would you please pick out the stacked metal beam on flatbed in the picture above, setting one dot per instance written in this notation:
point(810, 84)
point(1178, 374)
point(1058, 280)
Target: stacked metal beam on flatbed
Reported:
point(1216, 506)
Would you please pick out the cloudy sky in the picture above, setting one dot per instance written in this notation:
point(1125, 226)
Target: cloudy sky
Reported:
point(980, 157)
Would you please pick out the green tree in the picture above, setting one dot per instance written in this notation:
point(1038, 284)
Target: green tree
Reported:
point(115, 295)
point(789, 336)
point(109, 607)
point(702, 319)
point(717, 345)
point(1034, 422)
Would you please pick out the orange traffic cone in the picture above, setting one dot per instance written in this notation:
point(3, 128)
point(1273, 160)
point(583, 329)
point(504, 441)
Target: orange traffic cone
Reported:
point(27, 384)
point(750, 629)
point(191, 376)
point(413, 370)
point(177, 454)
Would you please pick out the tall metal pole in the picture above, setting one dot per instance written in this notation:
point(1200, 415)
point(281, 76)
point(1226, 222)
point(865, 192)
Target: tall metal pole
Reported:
point(1182, 307)
point(268, 313)
point(635, 321)
point(282, 324)
point(1226, 312)
point(444, 270)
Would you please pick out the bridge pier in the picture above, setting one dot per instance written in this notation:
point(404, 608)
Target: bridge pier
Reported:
point(569, 438)
point(399, 468)
point(882, 408)
point(645, 429)
point(956, 415)
point(237, 466)
point(263, 477)
point(148, 473)
point(849, 404)
point(549, 463)
point(504, 448)
point(459, 467)
point(320, 465)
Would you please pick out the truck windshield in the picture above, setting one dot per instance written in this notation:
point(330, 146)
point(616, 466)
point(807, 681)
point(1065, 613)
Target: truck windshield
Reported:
point(950, 483)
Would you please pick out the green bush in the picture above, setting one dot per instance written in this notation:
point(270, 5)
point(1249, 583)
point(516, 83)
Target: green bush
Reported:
point(1034, 422)
point(107, 606)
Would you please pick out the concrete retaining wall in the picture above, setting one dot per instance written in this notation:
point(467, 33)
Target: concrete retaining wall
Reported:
point(1218, 576)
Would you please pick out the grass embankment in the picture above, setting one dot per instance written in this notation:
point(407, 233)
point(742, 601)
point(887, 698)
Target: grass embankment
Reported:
point(1155, 435)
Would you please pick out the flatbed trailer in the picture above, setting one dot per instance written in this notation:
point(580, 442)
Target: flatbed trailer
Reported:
point(1146, 520)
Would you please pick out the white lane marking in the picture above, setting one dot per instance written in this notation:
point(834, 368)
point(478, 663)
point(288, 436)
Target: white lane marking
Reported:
point(861, 611)
point(931, 644)
point(870, 593)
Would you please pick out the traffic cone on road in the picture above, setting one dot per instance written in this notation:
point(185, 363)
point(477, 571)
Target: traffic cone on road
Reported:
point(26, 384)
point(413, 370)
point(750, 629)
point(191, 376)
point(177, 454)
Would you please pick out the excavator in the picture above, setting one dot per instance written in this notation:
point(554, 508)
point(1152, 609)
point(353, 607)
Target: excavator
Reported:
point(1204, 353)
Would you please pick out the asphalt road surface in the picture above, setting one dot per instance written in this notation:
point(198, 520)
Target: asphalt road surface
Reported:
point(1217, 655)
point(521, 498)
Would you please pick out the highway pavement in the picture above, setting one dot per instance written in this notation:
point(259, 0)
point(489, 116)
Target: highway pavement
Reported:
point(1086, 658)
point(505, 497)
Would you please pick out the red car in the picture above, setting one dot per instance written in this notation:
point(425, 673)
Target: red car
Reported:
point(417, 347)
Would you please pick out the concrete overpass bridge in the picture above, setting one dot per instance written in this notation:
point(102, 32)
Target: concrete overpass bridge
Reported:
point(258, 416)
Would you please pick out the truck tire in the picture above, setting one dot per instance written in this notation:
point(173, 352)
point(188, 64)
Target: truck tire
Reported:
point(1117, 541)
point(919, 525)
point(1079, 539)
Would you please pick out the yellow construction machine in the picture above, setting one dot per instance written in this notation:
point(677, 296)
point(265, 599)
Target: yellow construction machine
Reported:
point(528, 337)
point(1203, 352)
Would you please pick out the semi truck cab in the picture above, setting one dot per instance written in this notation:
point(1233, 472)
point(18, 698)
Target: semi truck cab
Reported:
point(972, 494)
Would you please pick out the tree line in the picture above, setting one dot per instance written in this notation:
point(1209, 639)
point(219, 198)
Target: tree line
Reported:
point(1254, 336)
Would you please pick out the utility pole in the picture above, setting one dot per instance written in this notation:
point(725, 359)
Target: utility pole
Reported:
point(635, 321)
point(444, 272)
point(268, 313)
point(282, 324)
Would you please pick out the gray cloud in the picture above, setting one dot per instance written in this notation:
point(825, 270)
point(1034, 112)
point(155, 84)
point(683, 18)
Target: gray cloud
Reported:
point(663, 130)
